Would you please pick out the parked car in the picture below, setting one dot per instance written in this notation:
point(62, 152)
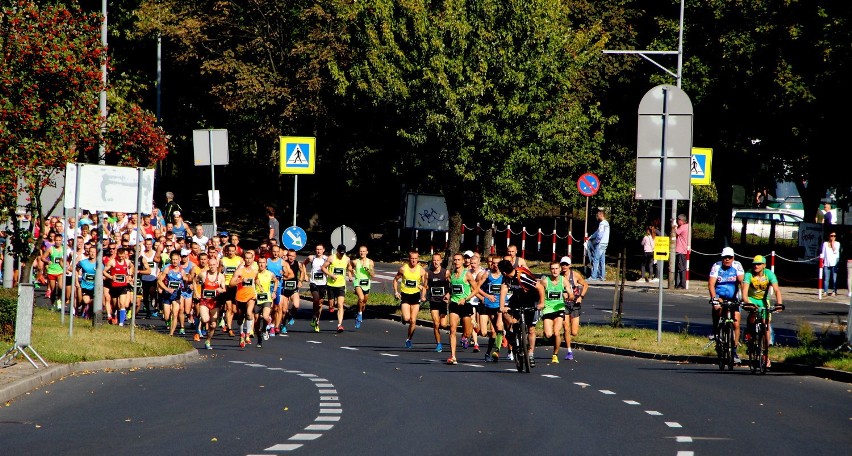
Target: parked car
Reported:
point(759, 222)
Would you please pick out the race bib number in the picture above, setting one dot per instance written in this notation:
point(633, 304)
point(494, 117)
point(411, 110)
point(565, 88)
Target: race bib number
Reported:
point(318, 276)
point(457, 289)
point(364, 282)
point(289, 284)
point(138, 283)
point(89, 277)
point(337, 271)
point(494, 289)
point(263, 297)
point(174, 283)
point(411, 283)
point(151, 264)
point(121, 278)
point(248, 282)
point(436, 291)
point(57, 260)
point(554, 295)
point(208, 294)
point(230, 270)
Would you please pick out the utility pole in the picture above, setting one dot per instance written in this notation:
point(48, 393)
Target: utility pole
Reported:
point(98, 304)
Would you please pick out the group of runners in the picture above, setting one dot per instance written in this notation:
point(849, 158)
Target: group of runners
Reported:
point(485, 301)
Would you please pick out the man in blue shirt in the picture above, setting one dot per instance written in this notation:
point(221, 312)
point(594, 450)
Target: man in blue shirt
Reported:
point(599, 239)
point(726, 279)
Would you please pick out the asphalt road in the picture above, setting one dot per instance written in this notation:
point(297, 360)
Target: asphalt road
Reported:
point(361, 392)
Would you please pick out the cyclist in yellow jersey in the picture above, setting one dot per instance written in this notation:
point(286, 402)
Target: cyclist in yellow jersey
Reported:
point(265, 285)
point(408, 287)
point(230, 263)
point(360, 272)
point(335, 268)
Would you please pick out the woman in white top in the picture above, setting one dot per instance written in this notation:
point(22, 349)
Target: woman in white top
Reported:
point(830, 255)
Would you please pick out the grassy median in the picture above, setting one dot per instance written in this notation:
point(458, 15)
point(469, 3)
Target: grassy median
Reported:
point(50, 339)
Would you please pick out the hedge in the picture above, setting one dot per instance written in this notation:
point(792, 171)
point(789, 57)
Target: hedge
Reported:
point(8, 312)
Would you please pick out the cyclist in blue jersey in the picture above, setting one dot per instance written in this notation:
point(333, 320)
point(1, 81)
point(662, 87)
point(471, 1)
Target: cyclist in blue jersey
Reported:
point(726, 280)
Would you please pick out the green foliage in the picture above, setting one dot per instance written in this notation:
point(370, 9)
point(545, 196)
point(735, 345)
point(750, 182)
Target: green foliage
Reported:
point(8, 313)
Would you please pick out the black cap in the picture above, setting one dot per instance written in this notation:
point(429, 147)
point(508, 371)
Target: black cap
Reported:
point(505, 266)
point(341, 248)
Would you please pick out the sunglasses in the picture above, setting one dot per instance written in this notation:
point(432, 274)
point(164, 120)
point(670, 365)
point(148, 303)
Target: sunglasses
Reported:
point(727, 257)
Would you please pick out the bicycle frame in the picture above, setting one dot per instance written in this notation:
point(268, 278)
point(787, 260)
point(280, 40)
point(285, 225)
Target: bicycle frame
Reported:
point(758, 349)
point(725, 333)
point(519, 343)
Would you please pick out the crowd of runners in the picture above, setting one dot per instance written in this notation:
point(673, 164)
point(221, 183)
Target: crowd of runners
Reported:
point(202, 284)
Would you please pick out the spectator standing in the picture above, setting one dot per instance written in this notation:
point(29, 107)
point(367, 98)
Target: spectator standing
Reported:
point(171, 207)
point(681, 245)
point(274, 227)
point(830, 255)
point(600, 240)
point(648, 254)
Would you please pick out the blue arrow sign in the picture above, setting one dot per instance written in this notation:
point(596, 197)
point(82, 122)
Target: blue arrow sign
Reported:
point(294, 238)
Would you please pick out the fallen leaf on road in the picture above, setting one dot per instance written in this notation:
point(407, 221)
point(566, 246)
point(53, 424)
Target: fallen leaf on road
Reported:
point(214, 439)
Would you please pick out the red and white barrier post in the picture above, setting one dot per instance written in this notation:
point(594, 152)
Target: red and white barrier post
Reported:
point(524, 242)
point(553, 247)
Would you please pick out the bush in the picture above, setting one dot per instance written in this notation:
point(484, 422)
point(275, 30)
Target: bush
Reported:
point(8, 313)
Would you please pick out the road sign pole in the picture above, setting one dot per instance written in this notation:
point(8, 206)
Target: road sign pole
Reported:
point(212, 181)
point(662, 213)
point(585, 236)
point(295, 196)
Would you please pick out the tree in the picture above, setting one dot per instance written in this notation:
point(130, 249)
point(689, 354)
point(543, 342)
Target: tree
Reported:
point(50, 79)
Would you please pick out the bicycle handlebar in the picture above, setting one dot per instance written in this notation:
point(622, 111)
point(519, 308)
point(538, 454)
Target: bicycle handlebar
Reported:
point(753, 308)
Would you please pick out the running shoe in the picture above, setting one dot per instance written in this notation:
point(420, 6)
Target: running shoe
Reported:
point(182, 331)
point(532, 359)
point(291, 321)
point(260, 344)
point(465, 343)
point(265, 337)
point(283, 330)
point(504, 343)
point(207, 345)
point(203, 333)
point(248, 339)
point(554, 359)
point(242, 340)
point(737, 357)
point(315, 325)
point(487, 358)
point(358, 320)
point(476, 348)
point(155, 314)
point(569, 356)
point(47, 293)
point(196, 337)
point(407, 343)
point(510, 356)
point(231, 332)
point(439, 348)
point(340, 328)
point(452, 361)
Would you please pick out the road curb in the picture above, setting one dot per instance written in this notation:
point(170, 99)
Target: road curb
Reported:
point(50, 374)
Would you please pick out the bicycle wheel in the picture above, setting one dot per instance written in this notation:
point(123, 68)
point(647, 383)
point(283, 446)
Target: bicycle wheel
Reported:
point(720, 348)
point(753, 356)
point(516, 348)
point(762, 351)
point(729, 351)
point(524, 346)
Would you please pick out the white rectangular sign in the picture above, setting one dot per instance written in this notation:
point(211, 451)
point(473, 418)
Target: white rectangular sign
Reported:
point(109, 188)
point(204, 153)
point(213, 198)
point(51, 191)
point(426, 212)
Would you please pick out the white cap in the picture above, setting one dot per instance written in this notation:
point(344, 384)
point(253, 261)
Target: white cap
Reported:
point(185, 252)
point(565, 260)
point(177, 213)
point(727, 251)
point(468, 254)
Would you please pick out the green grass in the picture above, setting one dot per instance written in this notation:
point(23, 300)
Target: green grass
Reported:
point(813, 349)
point(50, 339)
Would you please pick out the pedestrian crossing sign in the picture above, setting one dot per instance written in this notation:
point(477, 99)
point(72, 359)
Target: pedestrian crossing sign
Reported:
point(297, 154)
point(702, 158)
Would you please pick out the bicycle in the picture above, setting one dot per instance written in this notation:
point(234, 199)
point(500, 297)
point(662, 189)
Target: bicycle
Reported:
point(725, 332)
point(758, 349)
point(520, 348)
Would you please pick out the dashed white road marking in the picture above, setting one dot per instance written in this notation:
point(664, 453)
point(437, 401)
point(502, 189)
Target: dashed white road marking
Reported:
point(335, 411)
point(685, 453)
point(237, 362)
point(325, 385)
point(330, 404)
point(305, 436)
point(581, 384)
point(255, 365)
point(313, 341)
point(549, 376)
point(284, 447)
point(319, 427)
point(607, 391)
point(328, 398)
point(683, 439)
point(349, 348)
point(307, 375)
point(389, 354)
point(653, 413)
point(673, 424)
point(318, 379)
point(327, 418)
point(331, 391)
point(631, 402)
